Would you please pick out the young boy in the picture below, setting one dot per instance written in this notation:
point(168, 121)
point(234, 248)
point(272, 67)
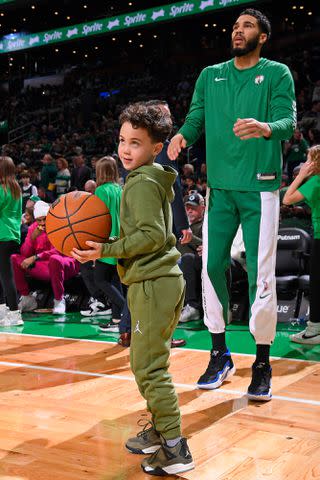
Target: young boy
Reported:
point(148, 264)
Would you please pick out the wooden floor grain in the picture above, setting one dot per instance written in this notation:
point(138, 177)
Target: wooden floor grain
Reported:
point(60, 420)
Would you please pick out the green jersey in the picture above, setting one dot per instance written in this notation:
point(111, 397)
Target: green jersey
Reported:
point(110, 194)
point(311, 192)
point(10, 216)
point(223, 94)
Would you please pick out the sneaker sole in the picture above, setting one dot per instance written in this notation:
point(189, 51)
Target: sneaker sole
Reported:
point(170, 470)
point(260, 398)
point(15, 324)
point(145, 451)
point(306, 341)
point(109, 330)
point(97, 314)
point(222, 378)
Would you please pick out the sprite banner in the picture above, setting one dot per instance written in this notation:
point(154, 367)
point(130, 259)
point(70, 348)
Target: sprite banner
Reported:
point(121, 22)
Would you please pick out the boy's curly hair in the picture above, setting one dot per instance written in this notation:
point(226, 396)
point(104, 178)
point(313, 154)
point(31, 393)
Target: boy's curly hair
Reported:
point(149, 117)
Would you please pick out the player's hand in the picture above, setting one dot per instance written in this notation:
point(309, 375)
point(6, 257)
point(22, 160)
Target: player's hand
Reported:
point(84, 256)
point(186, 236)
point(177, 143)
point(246, 128)
point(27, 262)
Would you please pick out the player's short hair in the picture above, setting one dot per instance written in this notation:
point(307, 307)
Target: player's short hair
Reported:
point(149, 117)
point(263, 21)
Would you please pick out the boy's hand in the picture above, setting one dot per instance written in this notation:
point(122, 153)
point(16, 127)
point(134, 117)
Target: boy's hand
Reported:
point(177, 143)
point(307, 169)
point(246, 128)
point(84, 256)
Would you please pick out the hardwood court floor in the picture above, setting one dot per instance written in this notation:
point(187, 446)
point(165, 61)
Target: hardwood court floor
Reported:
point(67, 408)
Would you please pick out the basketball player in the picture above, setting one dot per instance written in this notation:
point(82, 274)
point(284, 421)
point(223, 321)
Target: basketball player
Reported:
point(246, 106)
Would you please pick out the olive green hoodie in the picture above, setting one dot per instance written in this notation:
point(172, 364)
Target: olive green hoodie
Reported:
point(146, 248)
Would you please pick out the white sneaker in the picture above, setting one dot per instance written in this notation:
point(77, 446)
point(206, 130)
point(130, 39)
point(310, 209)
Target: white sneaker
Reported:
point(3, 310)
point(13, 318)
point(27, 303)
point(96, 308)
point(188, 314)
point(59, 306)
point(308, 336)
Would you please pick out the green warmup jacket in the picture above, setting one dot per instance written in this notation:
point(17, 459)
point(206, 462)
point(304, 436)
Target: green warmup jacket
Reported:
point(146, 248)
point(223, 94)
point(10, 216)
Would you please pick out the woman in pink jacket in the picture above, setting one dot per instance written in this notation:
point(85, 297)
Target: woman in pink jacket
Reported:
point(39, 259)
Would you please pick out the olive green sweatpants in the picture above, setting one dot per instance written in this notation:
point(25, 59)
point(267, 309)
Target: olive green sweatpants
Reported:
point(155, 307)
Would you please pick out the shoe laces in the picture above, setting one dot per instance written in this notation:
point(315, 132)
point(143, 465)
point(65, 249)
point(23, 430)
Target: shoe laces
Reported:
point(146, 425)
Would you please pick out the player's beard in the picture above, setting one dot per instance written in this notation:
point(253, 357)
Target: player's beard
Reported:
point(249, 47)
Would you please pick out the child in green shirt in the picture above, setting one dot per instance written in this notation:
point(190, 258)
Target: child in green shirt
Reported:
point(307, 187)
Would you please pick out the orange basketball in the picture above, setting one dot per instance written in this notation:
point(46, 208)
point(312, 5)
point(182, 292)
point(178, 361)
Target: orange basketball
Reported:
point(75, 218)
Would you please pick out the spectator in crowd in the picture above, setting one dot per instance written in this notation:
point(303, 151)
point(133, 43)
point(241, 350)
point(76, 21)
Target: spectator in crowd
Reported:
point(311, 118)
point(26, 220)
point(295, 151)
point(93, 163)
point(106, 277)
point(188, 170)
point(48, 175)
point(313, 136)
point(40, 260)
point(45, 195)
point(190, 185)
point(306, 187)
point(10, 218)
point(191, 259)
point(90, 186)
point(27, 189)
point(297, 215)
point(80, 174)
point(63, 177)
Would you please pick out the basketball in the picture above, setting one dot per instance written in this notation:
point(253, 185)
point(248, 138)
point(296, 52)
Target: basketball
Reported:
point(75, 218)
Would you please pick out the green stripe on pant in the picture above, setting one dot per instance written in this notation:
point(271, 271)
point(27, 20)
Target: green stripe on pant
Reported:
point(155, 307)
point(258, 214)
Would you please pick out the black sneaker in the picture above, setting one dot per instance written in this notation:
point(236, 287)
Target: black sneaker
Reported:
point(220, 368)
point(169, 460)
point(260, 386)
point(111, 327)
